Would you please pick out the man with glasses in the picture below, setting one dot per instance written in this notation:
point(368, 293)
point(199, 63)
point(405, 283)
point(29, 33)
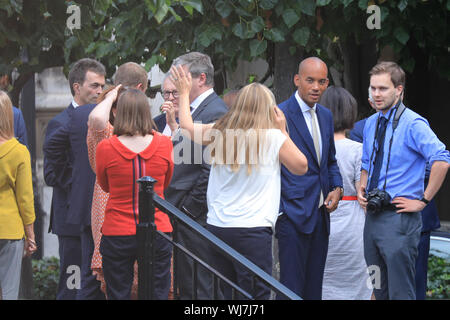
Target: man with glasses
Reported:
point(170, 94)
point(187, 190)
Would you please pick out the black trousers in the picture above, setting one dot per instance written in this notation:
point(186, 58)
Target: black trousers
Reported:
point(253, 243)
point(119, 255)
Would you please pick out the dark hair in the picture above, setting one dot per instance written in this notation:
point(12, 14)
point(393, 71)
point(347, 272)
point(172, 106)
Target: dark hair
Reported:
point(342, 105)
point(133, 116)
point(394, 70)
point(78, 72)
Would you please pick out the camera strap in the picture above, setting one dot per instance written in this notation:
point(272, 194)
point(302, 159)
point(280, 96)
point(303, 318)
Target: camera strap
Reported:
point(398, 110)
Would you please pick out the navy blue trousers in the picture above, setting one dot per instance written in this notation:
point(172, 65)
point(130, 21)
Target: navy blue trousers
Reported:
point(253, 243)
point(119, 255)
point(302, 256)
point(69, 267)
point(90, 286)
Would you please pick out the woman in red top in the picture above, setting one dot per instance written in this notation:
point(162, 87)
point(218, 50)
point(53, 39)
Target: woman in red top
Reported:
point(135, 150)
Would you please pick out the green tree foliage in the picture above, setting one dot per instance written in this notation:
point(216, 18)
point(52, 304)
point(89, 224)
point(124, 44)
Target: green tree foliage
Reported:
point(33, 33)
point(438, 278)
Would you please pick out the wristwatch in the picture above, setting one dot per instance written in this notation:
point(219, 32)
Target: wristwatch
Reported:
point(425, 200)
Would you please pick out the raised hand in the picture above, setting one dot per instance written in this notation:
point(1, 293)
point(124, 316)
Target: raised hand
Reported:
point(180, 79)
point(168, 108)
point(113, 93)
point(279, 118)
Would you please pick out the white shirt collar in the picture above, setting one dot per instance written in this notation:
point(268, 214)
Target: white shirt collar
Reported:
point(197, 101)
point(74, 104)
point(303, 106)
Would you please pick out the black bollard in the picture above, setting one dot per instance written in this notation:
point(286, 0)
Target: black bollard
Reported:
point(145, 232)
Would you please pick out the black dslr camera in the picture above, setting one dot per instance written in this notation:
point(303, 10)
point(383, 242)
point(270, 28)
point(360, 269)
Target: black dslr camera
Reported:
point(377, 199)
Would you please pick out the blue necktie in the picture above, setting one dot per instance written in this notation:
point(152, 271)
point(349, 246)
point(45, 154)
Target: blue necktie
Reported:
point(379, 155)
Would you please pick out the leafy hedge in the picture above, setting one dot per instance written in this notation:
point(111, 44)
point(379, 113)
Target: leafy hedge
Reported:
point(45, 278)
point(438, 286)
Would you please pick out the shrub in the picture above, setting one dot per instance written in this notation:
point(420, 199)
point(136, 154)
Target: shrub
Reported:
point(438, 279)
point(45, 278)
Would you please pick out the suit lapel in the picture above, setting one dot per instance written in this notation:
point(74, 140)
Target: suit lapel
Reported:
point(296, 115)
point(203, 105)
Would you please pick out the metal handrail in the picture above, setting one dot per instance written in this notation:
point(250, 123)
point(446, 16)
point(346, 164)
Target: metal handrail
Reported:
point(149, 200)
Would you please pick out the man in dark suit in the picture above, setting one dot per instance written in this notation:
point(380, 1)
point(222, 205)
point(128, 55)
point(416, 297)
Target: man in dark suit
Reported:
point(67, 169)
point(303, 226)
point(68, 234)
point(187, 190)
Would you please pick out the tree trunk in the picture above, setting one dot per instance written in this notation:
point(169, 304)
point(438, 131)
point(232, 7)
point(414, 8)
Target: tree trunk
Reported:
point(29, 114)
point(285, 67)
point(358, 60)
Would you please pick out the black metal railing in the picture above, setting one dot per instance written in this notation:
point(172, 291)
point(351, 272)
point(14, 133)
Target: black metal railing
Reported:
point(146, 231)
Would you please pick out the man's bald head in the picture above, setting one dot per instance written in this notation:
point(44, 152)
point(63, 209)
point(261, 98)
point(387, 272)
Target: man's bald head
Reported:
point(311, 80)
point(311, 62)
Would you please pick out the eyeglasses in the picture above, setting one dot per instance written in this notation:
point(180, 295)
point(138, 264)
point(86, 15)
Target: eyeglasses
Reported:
point(166, 94)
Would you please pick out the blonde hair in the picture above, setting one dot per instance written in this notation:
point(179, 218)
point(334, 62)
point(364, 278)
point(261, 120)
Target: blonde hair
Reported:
point(6, 116)
point(250, 115)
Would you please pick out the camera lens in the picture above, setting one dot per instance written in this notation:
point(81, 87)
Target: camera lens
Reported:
point(374, 205)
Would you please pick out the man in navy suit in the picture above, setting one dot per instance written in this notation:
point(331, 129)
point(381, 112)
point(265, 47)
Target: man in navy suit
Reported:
point(67, 169)
point(68, 234)
point(303, 226)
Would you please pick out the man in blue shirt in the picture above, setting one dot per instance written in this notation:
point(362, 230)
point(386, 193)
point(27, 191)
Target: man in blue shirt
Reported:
point(393, 166)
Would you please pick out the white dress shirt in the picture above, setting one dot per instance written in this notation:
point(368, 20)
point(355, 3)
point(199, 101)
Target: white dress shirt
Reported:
point(305, 110)
point(197, 101)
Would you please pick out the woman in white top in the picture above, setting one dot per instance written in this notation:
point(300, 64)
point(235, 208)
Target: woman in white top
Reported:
point(246, 147)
